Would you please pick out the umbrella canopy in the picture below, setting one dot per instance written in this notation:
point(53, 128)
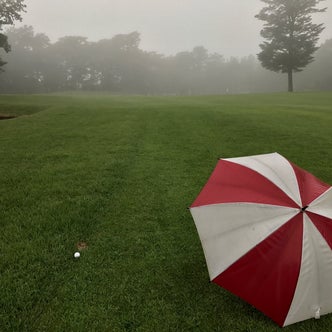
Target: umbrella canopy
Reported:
point(266, 230)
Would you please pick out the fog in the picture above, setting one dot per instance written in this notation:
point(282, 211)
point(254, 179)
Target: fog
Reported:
point(151, 47)
point(227, 27)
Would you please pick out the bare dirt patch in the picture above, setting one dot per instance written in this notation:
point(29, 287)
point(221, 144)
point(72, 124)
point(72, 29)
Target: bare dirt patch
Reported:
point(81, 245)
point(7, 116)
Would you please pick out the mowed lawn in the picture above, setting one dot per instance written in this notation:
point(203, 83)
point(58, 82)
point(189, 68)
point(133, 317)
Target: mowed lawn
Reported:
point(118, 173)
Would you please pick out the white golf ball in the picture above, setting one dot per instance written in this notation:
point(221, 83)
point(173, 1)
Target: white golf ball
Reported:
point(77, 254)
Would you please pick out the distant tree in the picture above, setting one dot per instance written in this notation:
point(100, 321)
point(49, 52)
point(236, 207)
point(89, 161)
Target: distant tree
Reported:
point(215, 74)
point(69, 54)
point(318, 75)
point(25, 71)
point(320, 67)
point(290, 35)
point(121, 64)
point(9, 12)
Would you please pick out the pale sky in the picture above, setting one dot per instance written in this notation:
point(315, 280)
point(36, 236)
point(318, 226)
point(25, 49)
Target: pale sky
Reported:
point(166, 26)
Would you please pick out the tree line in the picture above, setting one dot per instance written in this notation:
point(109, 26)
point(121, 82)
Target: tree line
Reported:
point(119, 65)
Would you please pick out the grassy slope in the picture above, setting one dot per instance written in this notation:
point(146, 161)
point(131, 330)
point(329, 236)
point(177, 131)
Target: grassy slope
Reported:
point(119, 172)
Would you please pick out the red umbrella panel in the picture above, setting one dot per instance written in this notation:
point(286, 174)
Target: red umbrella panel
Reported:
point(266, 230)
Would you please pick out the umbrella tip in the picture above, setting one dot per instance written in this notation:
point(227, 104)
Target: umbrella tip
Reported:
point(304, 208)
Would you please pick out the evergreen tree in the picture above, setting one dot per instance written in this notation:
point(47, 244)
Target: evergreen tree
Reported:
point(290, 35)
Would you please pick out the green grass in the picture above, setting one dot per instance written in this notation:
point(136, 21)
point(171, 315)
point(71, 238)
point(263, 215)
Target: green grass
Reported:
point(118, 173)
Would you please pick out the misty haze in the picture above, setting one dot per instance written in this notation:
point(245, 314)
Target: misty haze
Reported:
point(148, 47)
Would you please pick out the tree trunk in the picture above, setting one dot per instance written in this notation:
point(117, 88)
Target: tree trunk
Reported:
point(290, 80)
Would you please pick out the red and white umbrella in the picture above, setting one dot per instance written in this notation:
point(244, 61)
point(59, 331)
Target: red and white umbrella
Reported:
point(266, 230)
